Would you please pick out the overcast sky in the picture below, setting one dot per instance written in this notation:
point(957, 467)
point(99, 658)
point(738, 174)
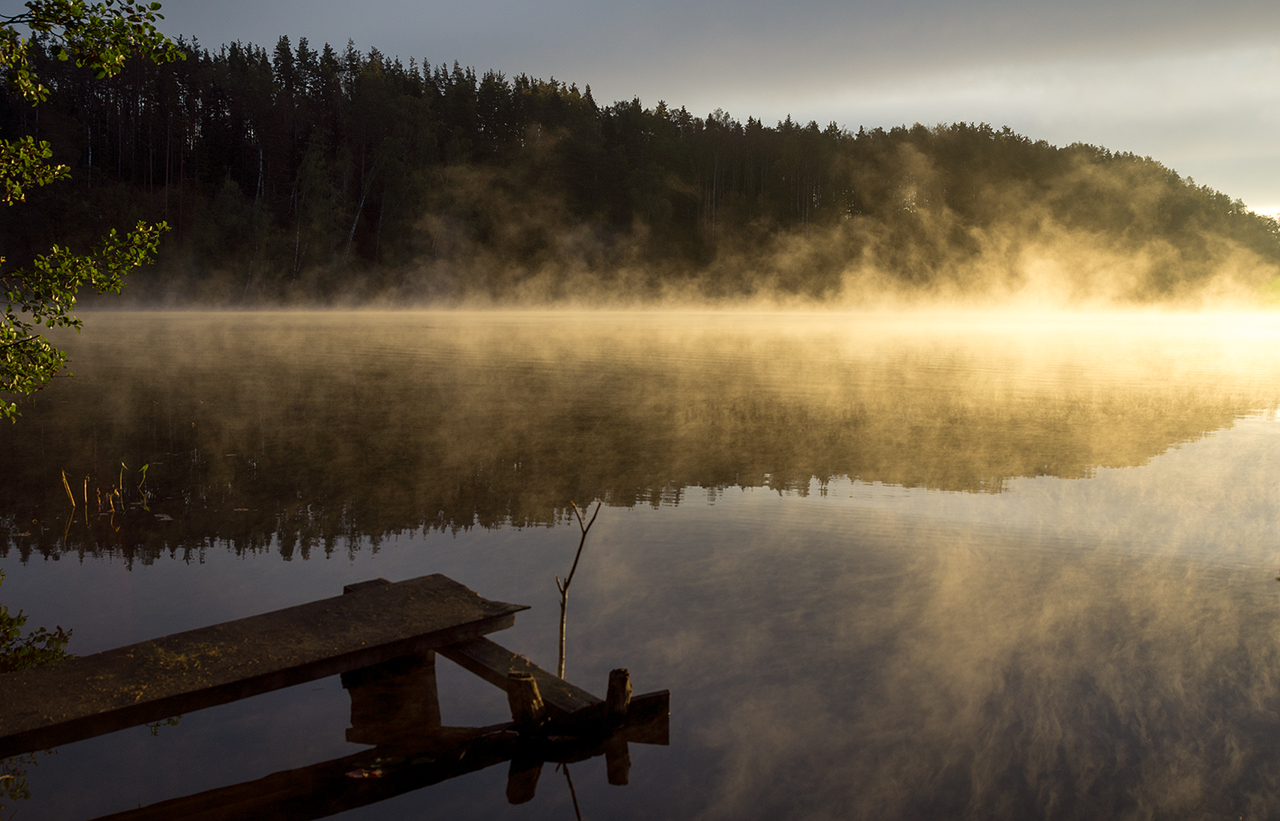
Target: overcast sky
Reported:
point(1195, 85)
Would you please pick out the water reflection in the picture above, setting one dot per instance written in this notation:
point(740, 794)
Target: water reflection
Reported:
point(395, 709)
point(300, 432)
point(925, 672)
point(891, 569)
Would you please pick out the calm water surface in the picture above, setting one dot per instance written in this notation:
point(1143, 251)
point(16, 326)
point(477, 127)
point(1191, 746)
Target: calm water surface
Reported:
point(889, 566)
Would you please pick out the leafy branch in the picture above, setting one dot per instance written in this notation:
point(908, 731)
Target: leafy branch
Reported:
point(18, 652)
point(22, 165)
point(45, 294)
point(101, 36)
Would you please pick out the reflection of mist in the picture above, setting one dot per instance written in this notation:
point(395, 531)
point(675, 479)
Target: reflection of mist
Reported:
point(1097, 686)
point(840, 662)
point(323, 428)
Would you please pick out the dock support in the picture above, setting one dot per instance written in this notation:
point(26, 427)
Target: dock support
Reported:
point(393, 700)
point(618, 699)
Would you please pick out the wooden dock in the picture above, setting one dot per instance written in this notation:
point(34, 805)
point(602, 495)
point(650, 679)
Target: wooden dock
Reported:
point(153, 680)
point(382, 637)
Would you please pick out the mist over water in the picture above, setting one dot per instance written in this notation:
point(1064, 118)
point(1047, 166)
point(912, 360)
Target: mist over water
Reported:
point(327, 425)
point(904, 565)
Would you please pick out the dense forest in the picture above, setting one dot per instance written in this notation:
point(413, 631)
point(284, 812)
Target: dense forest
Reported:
point(304, 175)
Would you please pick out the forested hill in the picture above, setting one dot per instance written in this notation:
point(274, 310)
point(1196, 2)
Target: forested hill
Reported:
point(319, 176)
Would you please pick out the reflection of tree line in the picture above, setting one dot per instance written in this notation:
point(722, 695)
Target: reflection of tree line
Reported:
point(256, 449)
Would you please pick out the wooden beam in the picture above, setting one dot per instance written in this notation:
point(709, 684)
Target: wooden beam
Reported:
point(494, 663)
point(374, 623)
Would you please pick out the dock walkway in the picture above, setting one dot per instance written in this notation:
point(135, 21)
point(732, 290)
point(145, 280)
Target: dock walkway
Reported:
point(383, 638)
point(371, 623)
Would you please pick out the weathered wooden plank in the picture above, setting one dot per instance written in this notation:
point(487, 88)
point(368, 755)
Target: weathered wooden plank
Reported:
point(494, 663)
point(120, 688)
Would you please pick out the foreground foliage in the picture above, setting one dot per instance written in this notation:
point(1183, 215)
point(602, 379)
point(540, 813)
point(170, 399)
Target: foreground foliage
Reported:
point(99, 38)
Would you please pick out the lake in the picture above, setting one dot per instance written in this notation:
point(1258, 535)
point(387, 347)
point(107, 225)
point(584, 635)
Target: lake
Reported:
point(909, 565)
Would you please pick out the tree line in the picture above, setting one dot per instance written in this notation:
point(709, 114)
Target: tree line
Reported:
point(317, 174)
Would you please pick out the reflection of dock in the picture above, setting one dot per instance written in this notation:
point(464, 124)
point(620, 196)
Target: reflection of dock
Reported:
point(394, 706)
point(382, 637)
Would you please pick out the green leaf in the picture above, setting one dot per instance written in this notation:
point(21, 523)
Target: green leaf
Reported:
point(100, 36)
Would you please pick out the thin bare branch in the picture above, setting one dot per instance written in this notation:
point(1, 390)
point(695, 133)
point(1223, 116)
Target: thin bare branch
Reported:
point(563, 587)
point(582, 541)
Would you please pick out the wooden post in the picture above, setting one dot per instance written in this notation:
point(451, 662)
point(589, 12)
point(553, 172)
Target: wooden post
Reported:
point(527, 707)
point(618, 699)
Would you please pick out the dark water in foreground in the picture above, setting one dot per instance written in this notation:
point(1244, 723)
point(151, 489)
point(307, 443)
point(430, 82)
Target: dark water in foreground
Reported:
point(902, 567)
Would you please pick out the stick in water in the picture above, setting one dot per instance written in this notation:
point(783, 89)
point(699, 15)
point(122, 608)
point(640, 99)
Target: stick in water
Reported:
point(563, 586)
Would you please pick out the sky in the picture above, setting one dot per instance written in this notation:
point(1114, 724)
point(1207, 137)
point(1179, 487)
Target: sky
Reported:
point(1192, 84)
